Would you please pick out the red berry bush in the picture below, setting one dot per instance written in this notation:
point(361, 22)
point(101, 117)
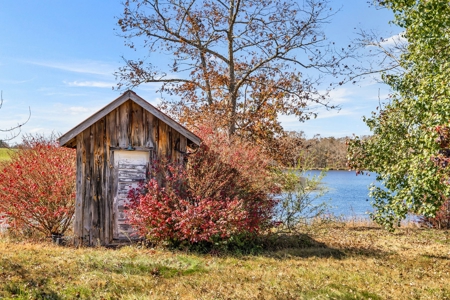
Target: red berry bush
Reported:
point(37, 186)
point(225, 189)
point(442, 158)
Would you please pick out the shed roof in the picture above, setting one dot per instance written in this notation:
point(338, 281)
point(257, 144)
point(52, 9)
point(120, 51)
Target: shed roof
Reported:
point(128, 95)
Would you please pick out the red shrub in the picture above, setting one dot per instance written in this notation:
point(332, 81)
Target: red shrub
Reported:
point(441, 220)
point(441, 159)
point(225, 189)
point(37, 186)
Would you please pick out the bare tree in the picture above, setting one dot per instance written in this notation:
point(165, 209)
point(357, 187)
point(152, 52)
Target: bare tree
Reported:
point(381, 55)
point(13, 131)
point(240, 63)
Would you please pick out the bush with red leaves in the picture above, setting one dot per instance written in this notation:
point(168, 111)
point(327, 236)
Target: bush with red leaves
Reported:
point(441, 159)
point(441, 220)
point(224, 190)
point(37, 186)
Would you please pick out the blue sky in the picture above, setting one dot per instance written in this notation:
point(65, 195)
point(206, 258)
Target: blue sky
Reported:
point(58, 58)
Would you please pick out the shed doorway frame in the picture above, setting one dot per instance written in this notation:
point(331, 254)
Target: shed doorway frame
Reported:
point(130, 169)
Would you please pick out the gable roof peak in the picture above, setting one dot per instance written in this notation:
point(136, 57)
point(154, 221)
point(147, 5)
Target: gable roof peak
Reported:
point(127, 95)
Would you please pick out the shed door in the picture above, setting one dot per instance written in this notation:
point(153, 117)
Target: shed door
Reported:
point(131, 168)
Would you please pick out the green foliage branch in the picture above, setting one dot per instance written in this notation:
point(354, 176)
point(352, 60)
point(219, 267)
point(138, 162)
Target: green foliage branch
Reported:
point(403, 128)
point(299, 203)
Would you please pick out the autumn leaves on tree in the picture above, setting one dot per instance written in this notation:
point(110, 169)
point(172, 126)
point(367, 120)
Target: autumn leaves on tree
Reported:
point(237, 64)
point(233, 67)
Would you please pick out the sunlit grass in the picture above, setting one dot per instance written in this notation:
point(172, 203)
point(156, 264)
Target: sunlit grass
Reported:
point(5, 154)
point(329, 262)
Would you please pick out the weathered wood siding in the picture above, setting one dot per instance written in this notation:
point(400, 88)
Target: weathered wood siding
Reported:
point(128, 124)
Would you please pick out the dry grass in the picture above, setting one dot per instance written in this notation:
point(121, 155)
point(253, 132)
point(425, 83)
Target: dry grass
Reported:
point(336, 261)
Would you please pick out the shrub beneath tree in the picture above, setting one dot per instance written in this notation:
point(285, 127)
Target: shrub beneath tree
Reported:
point(224, 190)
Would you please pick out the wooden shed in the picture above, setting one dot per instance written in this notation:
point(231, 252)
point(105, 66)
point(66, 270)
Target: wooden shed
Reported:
point(115, 148)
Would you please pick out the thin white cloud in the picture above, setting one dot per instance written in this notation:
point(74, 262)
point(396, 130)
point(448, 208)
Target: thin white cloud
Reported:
point(98, 84)
point(15, 81)
point(335, 113)
point(34, 130)
point(340, 95)
point(291, 120)
point(78, 109)
point(397, 39)
point(85, 67)
point(62, 94)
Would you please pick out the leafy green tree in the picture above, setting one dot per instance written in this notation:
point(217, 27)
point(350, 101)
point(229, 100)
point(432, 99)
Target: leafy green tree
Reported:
point(403, 138)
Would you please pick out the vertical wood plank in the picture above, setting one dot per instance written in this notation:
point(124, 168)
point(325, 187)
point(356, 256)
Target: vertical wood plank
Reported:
point(149, 130)
point(106, 182)
point(183, 147)
point(156, 135)
point(94, 186)
point(87, 197)
point(78, 221)
point(171, 146)
point(124, 124)
point(183, 143)
point(111, 128)
point(163, 140)
point(117, 126)
point(176, 144)
point(97, 179)
point(137, 126)
point(113, 191)
point(101, 183)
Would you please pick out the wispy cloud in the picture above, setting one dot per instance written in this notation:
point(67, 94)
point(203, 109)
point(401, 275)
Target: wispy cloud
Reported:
point(335, 113)
point(8, 81)
point(394, 40)
point(38, 129)
point(62, 94)
point(291, 120)
point(78, 109)
point(97, 84)
point(85, 67)
point(340, 95)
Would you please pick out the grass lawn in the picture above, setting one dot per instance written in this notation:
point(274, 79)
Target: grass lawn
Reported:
point(4, 154)
point(333, 262)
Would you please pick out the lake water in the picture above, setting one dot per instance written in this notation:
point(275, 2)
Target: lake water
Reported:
point(347, 194)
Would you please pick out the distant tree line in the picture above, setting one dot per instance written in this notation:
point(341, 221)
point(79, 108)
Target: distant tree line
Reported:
point(318, 152)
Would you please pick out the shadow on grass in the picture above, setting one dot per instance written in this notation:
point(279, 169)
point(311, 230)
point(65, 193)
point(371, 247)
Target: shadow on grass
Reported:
point(285, 246)
point(441, 257)
point(365, 228)
point(304, 246)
